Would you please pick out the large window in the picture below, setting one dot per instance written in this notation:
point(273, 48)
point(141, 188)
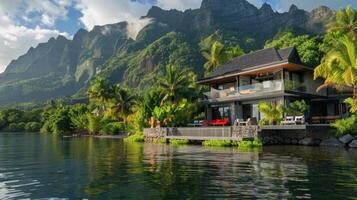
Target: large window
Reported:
point(221, 112)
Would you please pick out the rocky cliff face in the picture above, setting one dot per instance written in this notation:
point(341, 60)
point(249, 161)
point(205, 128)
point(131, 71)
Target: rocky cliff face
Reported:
point(63, 67)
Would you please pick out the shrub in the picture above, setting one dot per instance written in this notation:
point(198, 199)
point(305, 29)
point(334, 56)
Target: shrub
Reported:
point(135, 138)
point(346, 126)
point(112, 128)
point(250, 144)
point(273, 113)
point(16, 127)
point(93, 124)
point(160, 141)
point(33, 127)
point(297, 108)
point(57, 122)
point(217, 143)
point(179, 141)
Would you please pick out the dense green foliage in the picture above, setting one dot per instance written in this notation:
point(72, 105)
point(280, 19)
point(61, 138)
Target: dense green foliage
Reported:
point(272, 113)
point(346, 126)
point(297, 108)
point(218, 55)
point(13, 120)
point(218, 143)
point(256, 143)
point(135, 138)
point(307, 47)
point(179, 141)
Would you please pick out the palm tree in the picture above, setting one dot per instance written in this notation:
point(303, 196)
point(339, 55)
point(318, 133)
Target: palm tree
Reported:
point(100, 90)
point(273, 113)
point(173, 83)
point(339, 67)
point(219, 54)
point(215, 57)
point(345, 22)
point(232, 52)
point(121, 104)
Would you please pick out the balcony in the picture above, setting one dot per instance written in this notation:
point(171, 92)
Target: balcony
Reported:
point(258, 89)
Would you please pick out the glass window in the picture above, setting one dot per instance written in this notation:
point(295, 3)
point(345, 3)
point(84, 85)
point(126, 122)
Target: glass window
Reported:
point(221, 112)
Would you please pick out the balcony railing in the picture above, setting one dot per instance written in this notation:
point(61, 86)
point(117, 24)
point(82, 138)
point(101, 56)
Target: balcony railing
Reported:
point(247, 90)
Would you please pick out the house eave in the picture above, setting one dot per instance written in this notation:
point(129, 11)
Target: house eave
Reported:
point(252, 69)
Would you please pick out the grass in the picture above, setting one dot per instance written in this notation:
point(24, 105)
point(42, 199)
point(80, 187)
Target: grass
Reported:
point(250, 144)
point(135, 138)
point(217, 143)
point(160, 141)
point(179, 141)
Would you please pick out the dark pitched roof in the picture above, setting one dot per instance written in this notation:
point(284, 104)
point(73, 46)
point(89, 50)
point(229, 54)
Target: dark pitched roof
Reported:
point(257, 58)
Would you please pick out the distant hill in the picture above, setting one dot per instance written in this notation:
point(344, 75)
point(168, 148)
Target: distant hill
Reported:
point(62, 67)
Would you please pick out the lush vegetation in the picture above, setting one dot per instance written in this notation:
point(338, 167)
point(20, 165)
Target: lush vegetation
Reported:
point(135, 138)
point(297, 108)
point(346, 126)
point(218, 55)
point(12, 120)
point(218, 143)
point(256, 143)
point(179, 141)
point(272, 113)
point(308, 47)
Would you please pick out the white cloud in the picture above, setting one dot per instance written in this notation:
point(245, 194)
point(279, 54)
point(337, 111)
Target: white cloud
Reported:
point(179, 4)
point(110, 11)
point(15, 40)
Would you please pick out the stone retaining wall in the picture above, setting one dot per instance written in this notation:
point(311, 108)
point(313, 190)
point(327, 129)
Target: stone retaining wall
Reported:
point(312, 135)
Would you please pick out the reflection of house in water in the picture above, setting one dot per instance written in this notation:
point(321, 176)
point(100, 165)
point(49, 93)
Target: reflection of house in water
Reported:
point(229, 172)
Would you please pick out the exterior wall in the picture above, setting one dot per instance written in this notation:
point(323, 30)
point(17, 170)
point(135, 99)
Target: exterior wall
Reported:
point(312, 85)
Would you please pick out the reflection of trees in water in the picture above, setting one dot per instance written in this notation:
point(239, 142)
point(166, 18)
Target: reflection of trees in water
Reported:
point(330, 174)
point(144, 171)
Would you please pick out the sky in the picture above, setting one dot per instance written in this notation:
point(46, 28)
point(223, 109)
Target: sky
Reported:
point(26, 23)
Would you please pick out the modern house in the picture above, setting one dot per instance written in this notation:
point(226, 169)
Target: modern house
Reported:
point(268, 75)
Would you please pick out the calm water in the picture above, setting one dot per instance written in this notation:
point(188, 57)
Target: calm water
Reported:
point(40, 166)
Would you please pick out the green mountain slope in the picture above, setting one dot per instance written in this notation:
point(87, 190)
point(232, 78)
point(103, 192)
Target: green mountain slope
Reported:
point(63, 67)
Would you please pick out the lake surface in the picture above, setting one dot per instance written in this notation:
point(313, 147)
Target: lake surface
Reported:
point(38, 166)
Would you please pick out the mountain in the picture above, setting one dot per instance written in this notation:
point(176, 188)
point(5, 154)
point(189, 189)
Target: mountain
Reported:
point(62, 67)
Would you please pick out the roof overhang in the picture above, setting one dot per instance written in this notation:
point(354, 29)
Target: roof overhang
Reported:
point(257, 70)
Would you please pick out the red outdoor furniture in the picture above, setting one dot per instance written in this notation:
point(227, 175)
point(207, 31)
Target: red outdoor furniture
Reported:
point(220, 122)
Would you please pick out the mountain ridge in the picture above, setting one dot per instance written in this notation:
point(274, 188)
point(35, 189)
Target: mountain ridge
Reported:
point(62, 67)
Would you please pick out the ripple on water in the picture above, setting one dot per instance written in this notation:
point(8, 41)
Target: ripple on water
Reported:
point(40, 167)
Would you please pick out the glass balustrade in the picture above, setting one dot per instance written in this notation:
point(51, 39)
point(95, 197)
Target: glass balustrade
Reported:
point(253, 89)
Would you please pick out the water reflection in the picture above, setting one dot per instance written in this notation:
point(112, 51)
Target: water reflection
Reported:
point(42, 166)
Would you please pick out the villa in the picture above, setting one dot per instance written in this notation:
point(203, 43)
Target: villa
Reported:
point(269, 75)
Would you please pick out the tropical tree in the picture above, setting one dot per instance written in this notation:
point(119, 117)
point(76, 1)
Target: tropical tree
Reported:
point(173, 83)
point(297, 108)
point(339, 68)
point(219, 54)
point(100, 90)
point(120, 106)
point(272, 113)
point(345, 23)
point(307, 46)
point(215, 57)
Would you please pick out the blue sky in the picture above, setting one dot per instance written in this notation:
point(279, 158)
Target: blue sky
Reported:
point(25, 23)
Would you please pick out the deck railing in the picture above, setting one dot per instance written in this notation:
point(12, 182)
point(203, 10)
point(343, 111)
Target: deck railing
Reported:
point(246, 90)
